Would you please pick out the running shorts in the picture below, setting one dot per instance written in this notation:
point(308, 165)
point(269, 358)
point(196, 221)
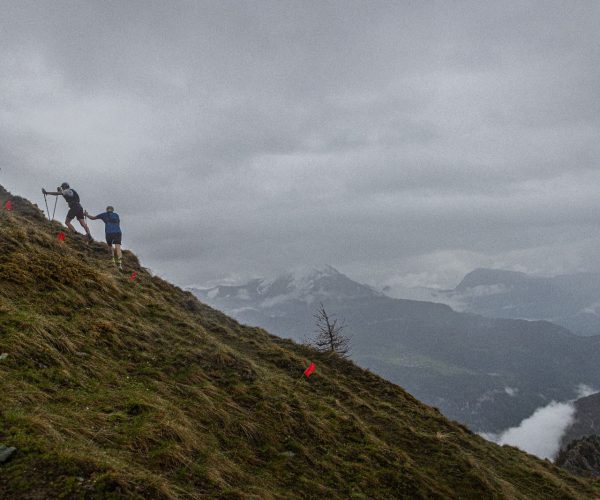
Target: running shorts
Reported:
point(113, 238)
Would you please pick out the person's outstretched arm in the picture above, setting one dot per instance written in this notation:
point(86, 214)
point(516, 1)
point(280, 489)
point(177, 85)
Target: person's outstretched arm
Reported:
point(91, 217)
point(52, 193)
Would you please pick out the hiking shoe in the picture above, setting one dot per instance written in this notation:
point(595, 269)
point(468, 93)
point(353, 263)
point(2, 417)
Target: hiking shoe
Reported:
point(89, 238)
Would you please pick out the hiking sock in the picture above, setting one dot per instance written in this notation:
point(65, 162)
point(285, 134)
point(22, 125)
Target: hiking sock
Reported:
point(120, 263)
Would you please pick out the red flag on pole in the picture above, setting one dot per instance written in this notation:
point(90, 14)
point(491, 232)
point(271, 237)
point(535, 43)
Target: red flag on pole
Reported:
point(309, 370)
point(8, 205)
point(61, 236)
point(133, 276)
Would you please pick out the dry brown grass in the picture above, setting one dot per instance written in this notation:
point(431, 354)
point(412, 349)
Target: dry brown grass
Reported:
point(139, 390)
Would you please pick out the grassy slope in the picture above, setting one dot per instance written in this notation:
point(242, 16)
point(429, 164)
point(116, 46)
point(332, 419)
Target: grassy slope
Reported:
point(126, 388)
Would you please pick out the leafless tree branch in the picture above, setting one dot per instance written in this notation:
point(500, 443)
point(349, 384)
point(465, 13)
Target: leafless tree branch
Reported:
point(329, 336)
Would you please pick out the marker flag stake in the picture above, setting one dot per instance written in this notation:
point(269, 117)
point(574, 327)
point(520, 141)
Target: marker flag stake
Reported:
point(8, 205)
point(61, 236)
point(133, 276)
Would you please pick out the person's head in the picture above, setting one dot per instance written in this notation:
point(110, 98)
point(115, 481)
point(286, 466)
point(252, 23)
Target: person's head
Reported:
point(110, 209)
point(64, 185)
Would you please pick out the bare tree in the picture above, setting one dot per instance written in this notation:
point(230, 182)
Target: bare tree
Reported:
point(329, 336)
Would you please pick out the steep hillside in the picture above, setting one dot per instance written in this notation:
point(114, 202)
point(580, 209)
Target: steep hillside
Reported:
point(487, 373)
point(120, 388)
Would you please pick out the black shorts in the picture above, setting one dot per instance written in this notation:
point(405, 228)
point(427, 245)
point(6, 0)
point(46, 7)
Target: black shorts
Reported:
point(113, 238)
point(75, 212)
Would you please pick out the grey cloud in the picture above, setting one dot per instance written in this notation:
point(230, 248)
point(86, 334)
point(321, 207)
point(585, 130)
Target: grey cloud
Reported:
point(390, 139)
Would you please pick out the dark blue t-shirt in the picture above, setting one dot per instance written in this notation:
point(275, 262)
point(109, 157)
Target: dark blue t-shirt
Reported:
point(111, 219)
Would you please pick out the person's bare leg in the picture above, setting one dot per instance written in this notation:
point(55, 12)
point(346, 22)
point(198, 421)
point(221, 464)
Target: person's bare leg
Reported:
point(113, 253)
point(69, 225)
point(84, 225)
point(119, 256)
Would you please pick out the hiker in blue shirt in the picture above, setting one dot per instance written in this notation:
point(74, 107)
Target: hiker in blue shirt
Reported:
point(113, 233)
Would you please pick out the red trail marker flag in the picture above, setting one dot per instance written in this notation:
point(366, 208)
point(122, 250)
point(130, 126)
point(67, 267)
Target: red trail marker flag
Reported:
point(133, 276)
point(307, 373)
point(61, 236)
point(8, 205)
point(309, 370)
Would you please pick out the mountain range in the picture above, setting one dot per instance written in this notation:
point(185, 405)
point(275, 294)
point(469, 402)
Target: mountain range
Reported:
point(569, 300)
point(489, 373)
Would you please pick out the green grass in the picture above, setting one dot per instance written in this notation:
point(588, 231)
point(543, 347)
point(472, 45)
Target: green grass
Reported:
point(134, 389)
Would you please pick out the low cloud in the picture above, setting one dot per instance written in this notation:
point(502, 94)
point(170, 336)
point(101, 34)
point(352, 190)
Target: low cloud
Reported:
point(584, 391)
point(539, 434)
point(542, 432)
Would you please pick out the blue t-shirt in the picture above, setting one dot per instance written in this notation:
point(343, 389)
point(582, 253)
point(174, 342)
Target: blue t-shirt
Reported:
point(111, 219)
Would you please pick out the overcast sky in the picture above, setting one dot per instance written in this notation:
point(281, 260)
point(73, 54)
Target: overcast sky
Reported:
point(404, 141)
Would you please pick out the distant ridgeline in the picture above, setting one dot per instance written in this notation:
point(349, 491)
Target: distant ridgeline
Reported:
point(121, 388)
point(487, 373)
point(570, 300)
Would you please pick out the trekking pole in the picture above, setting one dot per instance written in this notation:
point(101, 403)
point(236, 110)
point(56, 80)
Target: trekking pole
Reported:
point(54, 211)
point(46, 201)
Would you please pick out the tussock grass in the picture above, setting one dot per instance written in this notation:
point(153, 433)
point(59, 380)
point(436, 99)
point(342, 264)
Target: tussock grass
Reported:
point(135, 389)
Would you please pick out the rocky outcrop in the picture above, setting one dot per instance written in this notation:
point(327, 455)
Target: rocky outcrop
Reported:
point(6, 452)
point(581, 457)
point(587, 420)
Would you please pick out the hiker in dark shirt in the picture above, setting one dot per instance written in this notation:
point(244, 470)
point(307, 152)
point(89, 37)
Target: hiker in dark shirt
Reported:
point(75, 208)
point(113, 233)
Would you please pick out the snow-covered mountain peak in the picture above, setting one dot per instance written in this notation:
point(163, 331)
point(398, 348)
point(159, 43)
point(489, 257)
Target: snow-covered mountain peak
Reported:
point(300, 280)
point(303, 284)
